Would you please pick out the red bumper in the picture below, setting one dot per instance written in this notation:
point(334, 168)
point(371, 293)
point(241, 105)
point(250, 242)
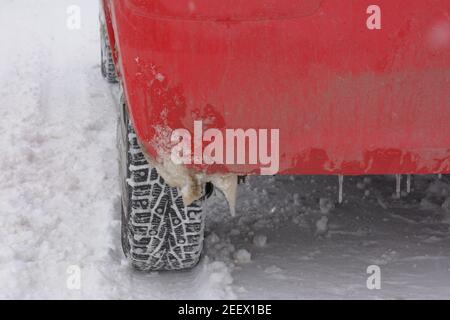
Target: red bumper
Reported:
point(347, 100)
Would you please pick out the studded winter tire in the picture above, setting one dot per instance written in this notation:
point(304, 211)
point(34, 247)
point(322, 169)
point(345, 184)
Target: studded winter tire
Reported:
point(106, 60)
point(159, 232)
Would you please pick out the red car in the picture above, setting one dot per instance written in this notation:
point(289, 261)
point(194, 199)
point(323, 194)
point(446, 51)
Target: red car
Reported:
point(217, 89)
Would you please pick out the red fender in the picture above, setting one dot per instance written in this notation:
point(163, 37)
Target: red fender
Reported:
point(347, 97)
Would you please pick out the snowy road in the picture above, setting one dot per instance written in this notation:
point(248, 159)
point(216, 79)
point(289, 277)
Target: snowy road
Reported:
point(59, 197)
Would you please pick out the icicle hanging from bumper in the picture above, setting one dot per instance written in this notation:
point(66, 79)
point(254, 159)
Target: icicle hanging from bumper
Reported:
point(408, 183)
point(341, 188)
point(398, 190)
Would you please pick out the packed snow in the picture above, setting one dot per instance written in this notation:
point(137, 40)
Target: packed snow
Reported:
point(289, 239)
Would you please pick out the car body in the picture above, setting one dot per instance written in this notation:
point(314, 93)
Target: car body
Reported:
point(346, 99)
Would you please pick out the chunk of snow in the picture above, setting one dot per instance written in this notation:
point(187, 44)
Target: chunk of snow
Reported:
point(242, 256)
point(326, 205)
point(213, 238)
point(215, 281)
point(322, 226)
point(260, 241)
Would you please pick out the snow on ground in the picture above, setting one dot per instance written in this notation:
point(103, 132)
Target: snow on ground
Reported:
point(59, 197)
point(311, 255)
